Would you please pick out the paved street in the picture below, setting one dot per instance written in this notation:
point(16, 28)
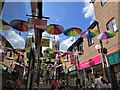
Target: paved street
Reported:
point(45, 87)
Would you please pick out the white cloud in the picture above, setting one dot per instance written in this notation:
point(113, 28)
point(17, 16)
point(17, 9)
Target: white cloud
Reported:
point(66, 44)
point(15, 39)
point(88, 10)
point(30, 34)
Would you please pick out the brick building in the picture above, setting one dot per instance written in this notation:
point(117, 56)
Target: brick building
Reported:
point(90, 62)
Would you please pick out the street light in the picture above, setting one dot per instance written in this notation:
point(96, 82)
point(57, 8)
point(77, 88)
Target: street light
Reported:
point(101, 50)
point(98, 47)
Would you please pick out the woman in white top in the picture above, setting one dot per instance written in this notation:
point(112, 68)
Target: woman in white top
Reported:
point(105, 85)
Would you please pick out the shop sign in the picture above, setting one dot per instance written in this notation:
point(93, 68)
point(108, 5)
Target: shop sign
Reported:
point(45, 42)
point(40, 24)
point(72, 68)
point(73, 61)
point(93, 61)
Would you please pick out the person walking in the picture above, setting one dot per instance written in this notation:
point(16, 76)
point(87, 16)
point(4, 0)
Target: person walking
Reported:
point(105, 84)
point(98, 82)
point(53, 83)
point(63, 84)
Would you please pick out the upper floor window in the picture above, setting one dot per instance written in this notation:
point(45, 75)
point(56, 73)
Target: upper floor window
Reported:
point(75, 48)
point(90, 41)
point(111, 25)
point(80, 47)
point(103, 2)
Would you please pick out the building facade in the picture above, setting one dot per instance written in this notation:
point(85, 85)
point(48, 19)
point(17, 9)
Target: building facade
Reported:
point(90, 61)
point(109, 19)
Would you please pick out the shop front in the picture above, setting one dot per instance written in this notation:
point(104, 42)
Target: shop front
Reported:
point(88, 68)
point(71, 76)
point(114, 62)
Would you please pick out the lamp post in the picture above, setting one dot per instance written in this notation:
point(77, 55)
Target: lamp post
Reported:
point(31, 66)
point(100, 49)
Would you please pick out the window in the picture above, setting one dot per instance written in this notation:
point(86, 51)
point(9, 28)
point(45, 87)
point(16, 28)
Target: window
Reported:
point(90, 41)
point(111, 25)
point(92, 1)
point(103, 2)
point(80, 47)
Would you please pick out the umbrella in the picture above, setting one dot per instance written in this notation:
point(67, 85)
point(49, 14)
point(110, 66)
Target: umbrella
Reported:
point(19, 25)
point(4, 25)
point(54, 29)
point(106, 35)
point(67, 53)
point(57, 52)
point(72, 31)
point(5, 42)
point(90, 33)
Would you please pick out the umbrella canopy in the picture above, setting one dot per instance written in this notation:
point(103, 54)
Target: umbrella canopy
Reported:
point(90, 33)
point(67, 53)
point(54, 29)
point(19, 25)
point(5, 42)
point(4, 25)
point(106, 35)
point(57, 52)
point(72, 31)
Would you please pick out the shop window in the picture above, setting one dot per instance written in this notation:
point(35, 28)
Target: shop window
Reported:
point(90, 41)
point(103, 2)
point(111, 25)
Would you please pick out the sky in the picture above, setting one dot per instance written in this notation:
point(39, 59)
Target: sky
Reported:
point(66, 14)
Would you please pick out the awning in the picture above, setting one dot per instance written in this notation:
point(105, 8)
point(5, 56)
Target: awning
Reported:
point(114, 58)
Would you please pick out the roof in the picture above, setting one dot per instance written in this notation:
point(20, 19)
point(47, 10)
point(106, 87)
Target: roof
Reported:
point(78, 42)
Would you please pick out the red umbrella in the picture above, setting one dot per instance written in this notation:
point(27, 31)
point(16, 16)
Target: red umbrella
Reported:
point(20, 25)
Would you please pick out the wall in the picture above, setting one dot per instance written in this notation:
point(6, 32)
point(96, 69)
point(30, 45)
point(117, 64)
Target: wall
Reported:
point(103, 15)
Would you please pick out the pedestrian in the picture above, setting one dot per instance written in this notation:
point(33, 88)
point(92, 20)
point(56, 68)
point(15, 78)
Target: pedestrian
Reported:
point(63, 84)
point(53, 83)
point(105, 84)
point(79, 83)
point(59, 84)
point(98, 81)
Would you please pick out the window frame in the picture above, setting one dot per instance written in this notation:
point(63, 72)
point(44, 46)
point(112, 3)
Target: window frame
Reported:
point(103, 2)
point(80, 47)
point(112, 25)
point(90, 41)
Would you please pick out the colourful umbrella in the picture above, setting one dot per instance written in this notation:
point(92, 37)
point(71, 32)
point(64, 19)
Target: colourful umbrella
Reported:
point(4, 25)
point(106, 35)
point(5, 42)
point(90, 33)
point(19, 25)
point(54, 29)
point(72, 31)
point(67, 53)
point(57, 52)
